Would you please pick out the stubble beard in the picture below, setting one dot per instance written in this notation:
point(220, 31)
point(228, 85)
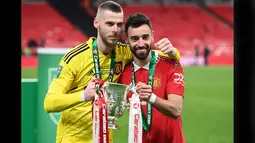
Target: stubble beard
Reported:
point(104, 39)
point(141, 56)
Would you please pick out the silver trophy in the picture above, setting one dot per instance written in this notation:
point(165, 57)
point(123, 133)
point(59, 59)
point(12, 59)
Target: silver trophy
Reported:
point(115, 95)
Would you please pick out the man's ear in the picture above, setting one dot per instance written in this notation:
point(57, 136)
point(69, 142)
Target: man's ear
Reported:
point(96, 23)
point(152, 35)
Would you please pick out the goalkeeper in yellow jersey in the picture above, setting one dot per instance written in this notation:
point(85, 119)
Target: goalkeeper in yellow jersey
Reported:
point(72, 89)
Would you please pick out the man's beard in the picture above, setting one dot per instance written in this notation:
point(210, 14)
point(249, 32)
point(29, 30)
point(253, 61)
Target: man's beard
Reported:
point(141, 56)
point(104, 39)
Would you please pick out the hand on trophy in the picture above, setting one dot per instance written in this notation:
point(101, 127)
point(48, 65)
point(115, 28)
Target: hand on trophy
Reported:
point(144, 91)
point(90, 91)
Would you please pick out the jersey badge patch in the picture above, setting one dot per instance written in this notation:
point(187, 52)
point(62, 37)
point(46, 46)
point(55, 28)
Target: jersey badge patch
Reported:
point(118, 68)
point(156, 83)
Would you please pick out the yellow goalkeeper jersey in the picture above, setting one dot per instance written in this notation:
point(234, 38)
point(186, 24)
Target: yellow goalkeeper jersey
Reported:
point(75, 70)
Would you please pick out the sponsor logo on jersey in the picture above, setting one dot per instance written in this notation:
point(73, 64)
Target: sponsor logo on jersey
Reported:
point(178, 78)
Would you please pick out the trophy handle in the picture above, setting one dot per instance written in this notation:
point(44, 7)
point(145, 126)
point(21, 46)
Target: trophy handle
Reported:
point(130, 88)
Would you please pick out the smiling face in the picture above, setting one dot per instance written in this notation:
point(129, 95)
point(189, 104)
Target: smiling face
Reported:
point(140, 40)
point(140, 35)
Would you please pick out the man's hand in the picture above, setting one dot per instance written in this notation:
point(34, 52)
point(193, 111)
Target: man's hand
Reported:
point(165, 46)
point(144, 91)
point(89, 93)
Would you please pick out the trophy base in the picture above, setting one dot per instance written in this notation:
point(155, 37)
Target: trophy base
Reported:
point(112, 126)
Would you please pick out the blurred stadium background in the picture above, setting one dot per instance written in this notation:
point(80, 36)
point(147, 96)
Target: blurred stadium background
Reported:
point(191, 25)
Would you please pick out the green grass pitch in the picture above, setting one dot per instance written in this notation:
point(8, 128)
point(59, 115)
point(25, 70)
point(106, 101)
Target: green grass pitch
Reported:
point(207, 107)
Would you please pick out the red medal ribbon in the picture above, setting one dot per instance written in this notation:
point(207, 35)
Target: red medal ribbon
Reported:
point(101, 117)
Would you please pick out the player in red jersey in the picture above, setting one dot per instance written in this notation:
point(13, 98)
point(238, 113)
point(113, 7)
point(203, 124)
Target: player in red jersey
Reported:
point(159, 83)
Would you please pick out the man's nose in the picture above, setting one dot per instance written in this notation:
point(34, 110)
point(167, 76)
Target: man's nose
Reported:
point(115, 28)
point(140, 42)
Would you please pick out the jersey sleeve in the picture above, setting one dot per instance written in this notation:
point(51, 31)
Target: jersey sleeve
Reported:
point(171, 56)
point(175, 84)
point(125, 51)
point(57, 98)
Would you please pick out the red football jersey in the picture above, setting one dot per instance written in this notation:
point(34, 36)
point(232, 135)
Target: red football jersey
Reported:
point(168, 79)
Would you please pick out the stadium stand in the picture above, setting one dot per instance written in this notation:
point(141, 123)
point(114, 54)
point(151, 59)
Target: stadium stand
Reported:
point(224, 11)
point(185, 26)
point(40, 20)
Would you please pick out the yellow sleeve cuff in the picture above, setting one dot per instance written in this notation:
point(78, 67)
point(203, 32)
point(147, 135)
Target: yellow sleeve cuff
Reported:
point(176, 55)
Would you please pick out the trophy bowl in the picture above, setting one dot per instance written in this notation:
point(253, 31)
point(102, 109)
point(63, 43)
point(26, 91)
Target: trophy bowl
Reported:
point(115, 95)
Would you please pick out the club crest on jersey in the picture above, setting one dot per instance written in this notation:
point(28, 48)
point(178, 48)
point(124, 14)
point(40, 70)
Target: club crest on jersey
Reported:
point(118, 68)
point(157, 82)
point(59, 69)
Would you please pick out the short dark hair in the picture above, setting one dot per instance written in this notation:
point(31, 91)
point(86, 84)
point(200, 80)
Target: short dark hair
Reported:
point(110, 5)
point(137, 20)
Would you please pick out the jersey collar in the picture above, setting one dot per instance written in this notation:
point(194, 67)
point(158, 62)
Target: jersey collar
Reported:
point(137, 67)
point(146, 66)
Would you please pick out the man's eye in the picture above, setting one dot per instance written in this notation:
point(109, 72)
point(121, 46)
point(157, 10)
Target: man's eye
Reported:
point(146, 37)
point(119, 25)
point(134, 38)
point(109, 24)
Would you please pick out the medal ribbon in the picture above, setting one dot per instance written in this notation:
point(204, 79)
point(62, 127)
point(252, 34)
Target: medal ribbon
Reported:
point(97, 62)
point(147, 123)
point(135, 131)
point(100, 116)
